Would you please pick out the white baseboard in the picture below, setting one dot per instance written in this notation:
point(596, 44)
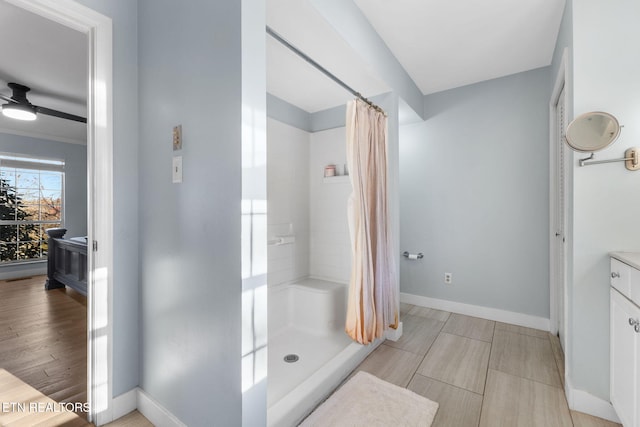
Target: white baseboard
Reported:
point(137, 399)
point(125, 403)
point(581, 401)
point(496, 314)
point(155, 412)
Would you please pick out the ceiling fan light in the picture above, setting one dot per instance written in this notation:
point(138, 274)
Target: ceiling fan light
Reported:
point(19, 112)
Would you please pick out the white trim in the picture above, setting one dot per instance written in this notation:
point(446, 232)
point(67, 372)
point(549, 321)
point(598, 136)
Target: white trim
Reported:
point(581, 401)
point(65, 12)
point(100, 171)
point(155, 412)
point(561, 82)
point(136, 398)
point(489, 313)
point(125, 403)
point(98, 29)
point(20, 161)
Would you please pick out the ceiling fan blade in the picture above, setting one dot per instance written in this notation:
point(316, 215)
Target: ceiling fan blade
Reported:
point(60, 114)
point(7, 98)
point(20, 97)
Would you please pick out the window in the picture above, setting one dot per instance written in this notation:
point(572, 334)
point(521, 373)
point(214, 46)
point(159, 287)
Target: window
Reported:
point(31, 201)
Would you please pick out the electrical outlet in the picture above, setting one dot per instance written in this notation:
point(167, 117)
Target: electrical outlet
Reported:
point(447, 278)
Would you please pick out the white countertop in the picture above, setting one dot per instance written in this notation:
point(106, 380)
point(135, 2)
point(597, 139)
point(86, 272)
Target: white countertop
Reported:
point(629, 258)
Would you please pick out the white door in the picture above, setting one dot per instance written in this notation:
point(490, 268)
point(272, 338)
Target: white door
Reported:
point(560, 216)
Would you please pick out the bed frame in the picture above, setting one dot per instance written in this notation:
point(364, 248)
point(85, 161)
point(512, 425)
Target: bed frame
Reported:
point(66, 263)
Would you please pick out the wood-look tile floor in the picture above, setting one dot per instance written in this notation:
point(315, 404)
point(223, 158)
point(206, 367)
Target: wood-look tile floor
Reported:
point(482, 373)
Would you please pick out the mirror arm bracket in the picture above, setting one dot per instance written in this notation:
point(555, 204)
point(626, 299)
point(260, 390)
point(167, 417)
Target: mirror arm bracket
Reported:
point(586, 159)
point(631, 157)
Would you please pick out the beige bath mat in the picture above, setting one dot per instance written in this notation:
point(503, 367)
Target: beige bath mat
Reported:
point(368, 401)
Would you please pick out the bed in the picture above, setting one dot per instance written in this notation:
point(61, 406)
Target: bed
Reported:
point(67, 261)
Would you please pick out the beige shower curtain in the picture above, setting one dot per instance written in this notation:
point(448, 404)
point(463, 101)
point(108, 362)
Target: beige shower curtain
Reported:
point(372, 306)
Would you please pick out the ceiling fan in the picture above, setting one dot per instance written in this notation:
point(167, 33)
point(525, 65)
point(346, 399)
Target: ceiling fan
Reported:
point(20, 108)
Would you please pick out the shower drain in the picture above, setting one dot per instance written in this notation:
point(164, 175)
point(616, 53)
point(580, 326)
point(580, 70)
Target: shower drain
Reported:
point(291, 358)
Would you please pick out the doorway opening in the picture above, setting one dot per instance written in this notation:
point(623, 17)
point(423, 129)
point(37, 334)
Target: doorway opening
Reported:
point(97, 30)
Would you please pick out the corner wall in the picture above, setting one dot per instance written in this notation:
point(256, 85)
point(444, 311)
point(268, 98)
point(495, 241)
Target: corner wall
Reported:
point(474, 195)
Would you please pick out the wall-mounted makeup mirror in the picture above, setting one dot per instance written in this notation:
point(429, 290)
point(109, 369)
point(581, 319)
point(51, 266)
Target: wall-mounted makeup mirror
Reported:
point(593, 131)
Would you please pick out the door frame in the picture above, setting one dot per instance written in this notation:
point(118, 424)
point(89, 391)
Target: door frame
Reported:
point(561, 83)
point(98, 29)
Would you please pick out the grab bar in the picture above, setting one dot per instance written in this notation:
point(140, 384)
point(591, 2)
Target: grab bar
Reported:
point(281, 240)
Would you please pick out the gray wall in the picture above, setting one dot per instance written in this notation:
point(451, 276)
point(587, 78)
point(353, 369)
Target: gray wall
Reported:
point(75, 209)
point(124, 14)
point(474, 195)
point(606, 202)
point(190, 74)
point(330, 118)
point(289, 114)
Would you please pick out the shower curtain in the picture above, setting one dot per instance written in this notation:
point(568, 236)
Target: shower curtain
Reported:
point(372, 307)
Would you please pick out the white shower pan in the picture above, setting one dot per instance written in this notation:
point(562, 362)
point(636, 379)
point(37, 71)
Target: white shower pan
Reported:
point(306, 319)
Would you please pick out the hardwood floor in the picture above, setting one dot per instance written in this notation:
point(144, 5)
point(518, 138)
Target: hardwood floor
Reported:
point(22, 405)
point(43, 338)
point(482, 373)
point(43, 353)
point(133, 419)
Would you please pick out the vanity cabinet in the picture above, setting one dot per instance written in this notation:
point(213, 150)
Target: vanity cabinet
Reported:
point(625, 340)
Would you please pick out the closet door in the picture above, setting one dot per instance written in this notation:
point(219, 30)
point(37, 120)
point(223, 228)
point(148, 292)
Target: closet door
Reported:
point(560, 216)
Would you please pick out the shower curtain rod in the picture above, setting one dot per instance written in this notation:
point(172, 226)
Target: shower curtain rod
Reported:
point(320, 68)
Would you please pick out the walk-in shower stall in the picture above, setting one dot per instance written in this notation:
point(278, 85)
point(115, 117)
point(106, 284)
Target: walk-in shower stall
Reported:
point(309, 263)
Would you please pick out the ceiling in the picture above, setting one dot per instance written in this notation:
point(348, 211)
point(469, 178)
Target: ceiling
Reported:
point(447, 44)
point(294, 80)
point(52, 60)
point(441, 45)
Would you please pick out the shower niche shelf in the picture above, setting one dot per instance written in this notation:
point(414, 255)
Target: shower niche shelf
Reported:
point(335, 179)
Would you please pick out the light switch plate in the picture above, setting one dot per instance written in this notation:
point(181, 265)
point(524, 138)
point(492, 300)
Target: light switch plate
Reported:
point(177, 169)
